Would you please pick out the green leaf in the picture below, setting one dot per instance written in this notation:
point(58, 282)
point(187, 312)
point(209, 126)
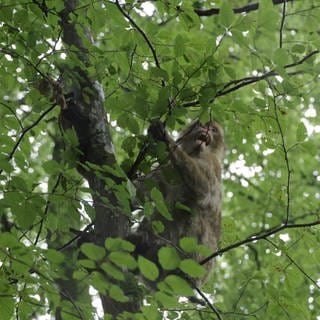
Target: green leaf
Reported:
point(116, 293)
point(158, 226)
point(301, 132)
point(281, 57)
point(168, 258)
point(123, 259)
point(9, 240)
point(25, 214)
point(117, 244)
point(112, 271)
point(54, 256)
point(226, 15)
point(150, 312)
point(192, 268)
point(178, 285)
point(179, 45)
point(148, 269)
point(159, 201)
point(159, 73)
point(51, 167)
point(167, 301)
point(92, 251)
point(298, 48)
point(99, 282)
point(7, 306)
point(80, 275)
point(128, 122)
point(87, 263)
point(188, 244)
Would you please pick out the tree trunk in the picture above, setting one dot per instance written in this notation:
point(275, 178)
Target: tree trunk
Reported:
point(86, 114)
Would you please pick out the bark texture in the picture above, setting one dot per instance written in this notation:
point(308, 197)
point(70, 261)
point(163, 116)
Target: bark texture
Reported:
point(85, 112)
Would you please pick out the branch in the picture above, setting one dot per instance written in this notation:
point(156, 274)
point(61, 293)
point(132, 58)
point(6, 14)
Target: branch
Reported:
point(26, 130)
point(282, 24)
point(46, 209)
point(295, 264)
point(240, 83)
point(209, 304)
point(259, 236)
point(286, 158)
point(245, 9)
point(143, 34)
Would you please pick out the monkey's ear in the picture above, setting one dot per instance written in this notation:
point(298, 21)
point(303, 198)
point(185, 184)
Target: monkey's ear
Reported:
point(158, 131)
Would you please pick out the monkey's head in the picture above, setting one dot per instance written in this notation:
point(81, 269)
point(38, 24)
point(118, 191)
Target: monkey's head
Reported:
point(202, 138)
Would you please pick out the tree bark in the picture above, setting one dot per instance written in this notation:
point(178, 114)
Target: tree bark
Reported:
point(85, 112)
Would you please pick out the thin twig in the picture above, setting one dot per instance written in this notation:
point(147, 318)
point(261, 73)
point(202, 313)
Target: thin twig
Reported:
point(286, 158)
point(143, 34)
point(208, 303)
point(282, 24)
point(47, 209)
point(240, 83)
point(295, 264)
point(258, 236)
point(26, 130)
point(76, 237)
point(13, 113)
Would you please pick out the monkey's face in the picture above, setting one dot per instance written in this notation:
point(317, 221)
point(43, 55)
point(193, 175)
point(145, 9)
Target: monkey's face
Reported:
point(202, 137)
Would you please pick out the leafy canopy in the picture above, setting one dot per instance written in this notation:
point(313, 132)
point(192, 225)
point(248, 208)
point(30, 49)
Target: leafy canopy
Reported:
point(256, 72)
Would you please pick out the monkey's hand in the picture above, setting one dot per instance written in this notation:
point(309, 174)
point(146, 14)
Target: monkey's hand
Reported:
point(158, 131)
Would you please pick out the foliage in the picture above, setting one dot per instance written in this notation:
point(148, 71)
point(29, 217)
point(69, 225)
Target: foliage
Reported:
point(256, 72)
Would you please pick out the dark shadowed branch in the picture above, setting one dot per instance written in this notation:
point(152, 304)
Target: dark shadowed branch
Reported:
point(245, 9)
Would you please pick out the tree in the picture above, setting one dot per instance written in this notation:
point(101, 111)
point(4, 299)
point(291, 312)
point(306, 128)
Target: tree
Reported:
point(80, 77)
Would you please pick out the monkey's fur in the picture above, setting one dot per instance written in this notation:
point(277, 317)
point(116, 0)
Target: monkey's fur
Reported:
point(192, 178)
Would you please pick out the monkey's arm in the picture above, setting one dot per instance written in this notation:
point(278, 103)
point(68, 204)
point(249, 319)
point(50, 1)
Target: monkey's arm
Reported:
point(192, 175)
point(195, 178)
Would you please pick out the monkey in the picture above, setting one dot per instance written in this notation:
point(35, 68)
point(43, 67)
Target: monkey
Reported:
point(191, 187)
point(52, 89)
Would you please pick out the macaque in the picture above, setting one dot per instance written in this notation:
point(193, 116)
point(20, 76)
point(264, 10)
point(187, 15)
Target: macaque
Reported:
point(191, 187)
point(52, 89)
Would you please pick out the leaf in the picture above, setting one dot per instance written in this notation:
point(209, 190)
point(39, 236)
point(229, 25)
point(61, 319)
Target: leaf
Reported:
point(226, 15)
point(92, 251)
point(281, 57)
point(116, 293)
point(123, 259)
point(79, 275)
point(178, 285)
point(87, 263)
point(179, 45)
point(99, 282)
point(7, 306)
point(166, 300)
point(192, 268)
point(148, 269)
point(128, 122)
point(24, 215)
point(157, 197)
point(54, 256)
point(159, 73)
point(51, 166)
point(117, 244)
point(168, 258)
point(188, 244)
point(157, 226)
point(112, 271)
point(150, 312)
point(301, 132)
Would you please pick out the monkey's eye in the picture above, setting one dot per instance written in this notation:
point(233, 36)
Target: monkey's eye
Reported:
point(214, 129)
